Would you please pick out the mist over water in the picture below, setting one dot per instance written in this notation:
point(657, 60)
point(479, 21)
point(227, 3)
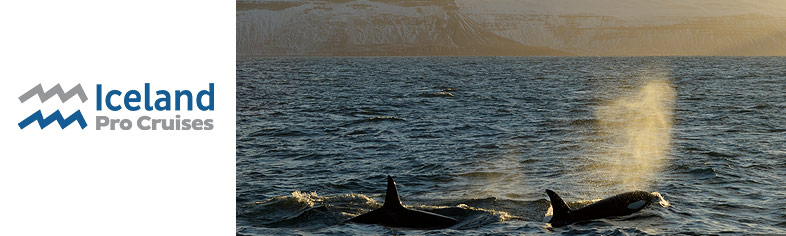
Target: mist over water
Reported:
point(637, 135)
point(480, 139)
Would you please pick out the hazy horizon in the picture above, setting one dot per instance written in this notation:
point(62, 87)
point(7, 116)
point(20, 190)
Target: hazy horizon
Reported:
point(511, 28)
point(636, 8)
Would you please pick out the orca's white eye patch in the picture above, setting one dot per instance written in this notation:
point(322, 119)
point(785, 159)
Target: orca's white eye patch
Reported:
point(636, 205)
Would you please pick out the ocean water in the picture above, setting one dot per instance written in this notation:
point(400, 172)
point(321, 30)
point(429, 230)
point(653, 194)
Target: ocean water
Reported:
point(480, 139)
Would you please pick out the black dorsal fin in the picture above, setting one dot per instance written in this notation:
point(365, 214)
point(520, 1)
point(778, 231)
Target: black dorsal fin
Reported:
point(391, 195)
point(559, 208)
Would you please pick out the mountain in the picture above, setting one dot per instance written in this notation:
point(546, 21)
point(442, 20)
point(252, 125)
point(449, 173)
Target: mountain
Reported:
point(511, 27)
point(638, 27)
point(375, 28)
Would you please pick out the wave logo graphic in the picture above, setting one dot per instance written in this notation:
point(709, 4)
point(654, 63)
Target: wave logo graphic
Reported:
point(56, 116)
point(57, 90)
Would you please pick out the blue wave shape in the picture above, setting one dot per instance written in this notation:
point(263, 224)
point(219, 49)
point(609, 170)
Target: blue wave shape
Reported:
point(56, 116)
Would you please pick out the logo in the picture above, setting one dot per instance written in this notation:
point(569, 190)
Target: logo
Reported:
point(113, 105)
point(55, 116)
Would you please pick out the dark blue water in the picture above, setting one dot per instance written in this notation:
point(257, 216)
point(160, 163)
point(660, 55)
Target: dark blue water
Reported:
point(480, 139)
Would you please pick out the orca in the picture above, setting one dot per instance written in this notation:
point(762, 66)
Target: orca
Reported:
point(618, 205)
point(393, 214)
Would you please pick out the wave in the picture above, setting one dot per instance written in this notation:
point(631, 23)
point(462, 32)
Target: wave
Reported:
point(308, 210)
point(437, 94)
point(277, 132)
point(304, 210)
point(375, 119)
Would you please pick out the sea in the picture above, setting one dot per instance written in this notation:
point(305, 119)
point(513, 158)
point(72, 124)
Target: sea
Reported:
point(480, 139)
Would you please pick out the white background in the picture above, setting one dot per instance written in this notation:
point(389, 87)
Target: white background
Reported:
point(88, 182)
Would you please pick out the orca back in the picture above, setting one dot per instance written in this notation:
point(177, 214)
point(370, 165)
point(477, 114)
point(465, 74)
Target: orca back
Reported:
point(394, 214)
point(618, 205)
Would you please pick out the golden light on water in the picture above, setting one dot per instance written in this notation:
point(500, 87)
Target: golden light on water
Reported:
point(638, 130)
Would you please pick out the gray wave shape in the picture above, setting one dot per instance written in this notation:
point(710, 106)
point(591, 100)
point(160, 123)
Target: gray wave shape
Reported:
point(56, 90)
